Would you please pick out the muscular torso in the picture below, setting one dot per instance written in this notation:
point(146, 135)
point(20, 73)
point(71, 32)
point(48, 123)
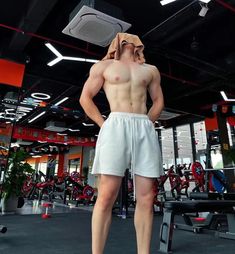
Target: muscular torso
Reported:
point(126, 86)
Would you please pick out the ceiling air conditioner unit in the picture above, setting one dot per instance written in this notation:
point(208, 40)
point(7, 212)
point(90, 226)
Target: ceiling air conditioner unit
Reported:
point(55, 126)
point(96, 22)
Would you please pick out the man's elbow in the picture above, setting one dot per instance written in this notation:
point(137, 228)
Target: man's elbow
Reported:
point(82, 101)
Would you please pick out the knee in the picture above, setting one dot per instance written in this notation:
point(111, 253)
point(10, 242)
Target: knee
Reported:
point(145, 200)
point(105, 201)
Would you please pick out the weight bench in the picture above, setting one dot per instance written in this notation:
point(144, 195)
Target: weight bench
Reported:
point(172, 208)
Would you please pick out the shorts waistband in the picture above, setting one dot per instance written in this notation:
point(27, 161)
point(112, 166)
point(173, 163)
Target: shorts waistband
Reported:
point(128, 115)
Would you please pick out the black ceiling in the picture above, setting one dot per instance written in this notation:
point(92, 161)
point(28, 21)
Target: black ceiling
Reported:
point(195, 55)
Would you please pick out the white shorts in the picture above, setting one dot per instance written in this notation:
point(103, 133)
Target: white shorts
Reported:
point(128, 141)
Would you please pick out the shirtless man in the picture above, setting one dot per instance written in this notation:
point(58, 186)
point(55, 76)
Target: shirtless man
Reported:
point(126, 137)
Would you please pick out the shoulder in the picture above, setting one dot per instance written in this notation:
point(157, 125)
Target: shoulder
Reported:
point(152, 68)
point(99, 67)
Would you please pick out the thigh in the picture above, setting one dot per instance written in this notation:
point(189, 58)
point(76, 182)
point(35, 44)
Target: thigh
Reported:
point(108, 186)
point(144, 187)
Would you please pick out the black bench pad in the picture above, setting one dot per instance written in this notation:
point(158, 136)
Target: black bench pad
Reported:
point(188, 206)
point(212, 195)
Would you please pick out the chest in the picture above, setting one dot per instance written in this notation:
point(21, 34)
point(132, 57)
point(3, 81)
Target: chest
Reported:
point(124, 73)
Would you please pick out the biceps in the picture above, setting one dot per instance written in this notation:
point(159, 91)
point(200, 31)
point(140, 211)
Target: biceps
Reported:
point(155, 92)
point(92, 86)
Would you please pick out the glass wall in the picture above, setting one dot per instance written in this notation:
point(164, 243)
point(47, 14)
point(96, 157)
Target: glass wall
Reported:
point(177, 148)
point(200, 141)
point(184, 144)
point(168, 154)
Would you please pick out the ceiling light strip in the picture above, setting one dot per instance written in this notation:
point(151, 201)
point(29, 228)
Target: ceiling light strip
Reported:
point(88, 124)
point(164, 2)
point(36, 117)
point(225, 96)
point(61, 101)
point(60, 57)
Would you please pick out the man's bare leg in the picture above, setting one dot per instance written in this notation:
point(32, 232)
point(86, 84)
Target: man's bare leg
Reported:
point(143, 213)
point(108, 188)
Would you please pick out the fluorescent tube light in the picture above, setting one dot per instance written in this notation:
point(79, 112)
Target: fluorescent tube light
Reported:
point(56, 52)
point(73, 129)
point(36, 156)
point(60, 57)
point(88, 124)
point(79, 59)
point(164, 2)
point(61, 134)
point(225, 96)
point(61, 101)
point(53, 49)
point(205, 1)
point(55, 61)
point(36, 117)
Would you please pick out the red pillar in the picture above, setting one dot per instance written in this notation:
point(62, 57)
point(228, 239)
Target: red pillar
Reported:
point(81, 162)
point(60, 165)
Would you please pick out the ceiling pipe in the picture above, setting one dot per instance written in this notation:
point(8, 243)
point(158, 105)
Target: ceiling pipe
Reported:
point(170, 18)
point(191, 61)
point(186, 27)
point(191, 83)
point(35, 14)
point(226, 5)
point(49, 40)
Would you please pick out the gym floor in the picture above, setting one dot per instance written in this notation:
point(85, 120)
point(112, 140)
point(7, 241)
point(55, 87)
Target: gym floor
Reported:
point(68, 232)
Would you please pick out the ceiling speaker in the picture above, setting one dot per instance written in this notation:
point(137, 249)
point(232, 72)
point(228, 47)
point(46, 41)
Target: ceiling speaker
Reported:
point(94, 26)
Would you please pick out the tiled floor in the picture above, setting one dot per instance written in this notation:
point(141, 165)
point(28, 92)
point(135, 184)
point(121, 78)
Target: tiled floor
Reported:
point(36, 207)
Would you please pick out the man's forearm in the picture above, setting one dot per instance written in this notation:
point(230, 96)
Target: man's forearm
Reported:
point(92, 111)
point(155, 111)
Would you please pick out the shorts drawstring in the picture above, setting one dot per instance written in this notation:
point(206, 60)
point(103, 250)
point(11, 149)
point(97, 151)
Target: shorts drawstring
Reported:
point(133, 158)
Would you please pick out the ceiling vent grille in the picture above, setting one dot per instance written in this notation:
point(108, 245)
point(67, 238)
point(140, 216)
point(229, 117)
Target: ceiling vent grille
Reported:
point(96, 22)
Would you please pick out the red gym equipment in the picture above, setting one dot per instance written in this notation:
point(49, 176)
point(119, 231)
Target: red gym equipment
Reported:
point(46, 215)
